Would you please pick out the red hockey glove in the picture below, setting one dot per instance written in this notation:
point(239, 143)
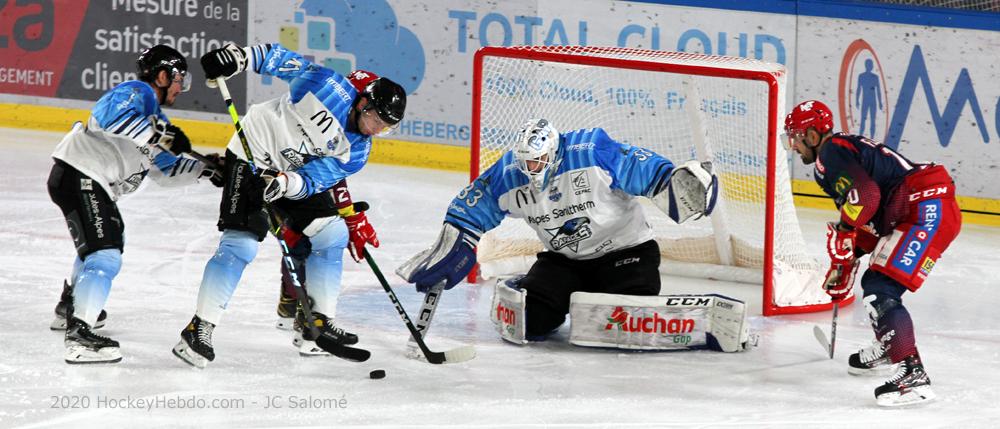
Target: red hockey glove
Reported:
point(843, 265)
point(361, 232)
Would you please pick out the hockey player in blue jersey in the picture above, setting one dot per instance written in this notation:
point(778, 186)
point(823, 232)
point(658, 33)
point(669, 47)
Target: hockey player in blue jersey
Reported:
point(902, 213)
point(126, 138)
point(578, 191)
point(304, 142)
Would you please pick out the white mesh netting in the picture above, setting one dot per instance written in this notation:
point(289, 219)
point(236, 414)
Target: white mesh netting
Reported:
point(680, 105)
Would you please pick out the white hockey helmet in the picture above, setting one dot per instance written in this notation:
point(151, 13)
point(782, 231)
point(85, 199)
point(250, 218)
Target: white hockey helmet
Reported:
point(537, 151)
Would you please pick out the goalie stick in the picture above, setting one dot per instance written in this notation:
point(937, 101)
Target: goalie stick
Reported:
point(427, 310)
point(460, 354)
point(353, 354)
point(821, 337)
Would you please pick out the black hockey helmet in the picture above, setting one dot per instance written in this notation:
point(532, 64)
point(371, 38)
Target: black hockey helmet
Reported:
point(162, 57)
point(388, 99)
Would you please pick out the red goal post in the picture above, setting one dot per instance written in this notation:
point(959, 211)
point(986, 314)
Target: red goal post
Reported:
point(682, 106)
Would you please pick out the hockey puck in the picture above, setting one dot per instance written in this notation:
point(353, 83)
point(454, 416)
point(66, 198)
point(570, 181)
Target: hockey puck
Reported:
point(377, 374)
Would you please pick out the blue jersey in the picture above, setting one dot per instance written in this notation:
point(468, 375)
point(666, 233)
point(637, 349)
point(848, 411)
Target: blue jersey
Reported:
point(588, 207)
point(862, 176)
point(114, 147)
point(307, 129)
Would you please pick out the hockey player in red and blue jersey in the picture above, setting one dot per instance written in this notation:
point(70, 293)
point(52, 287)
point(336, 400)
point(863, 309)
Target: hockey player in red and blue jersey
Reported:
point(902, 213)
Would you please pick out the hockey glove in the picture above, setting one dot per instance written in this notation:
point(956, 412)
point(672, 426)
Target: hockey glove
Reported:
point(226, 62)
point(360, 233)
point(359, 230)
point(214, 169)
point(281, 184)
point(450, 259)
point(843, 264)
point(168, 137)
point(690, 192)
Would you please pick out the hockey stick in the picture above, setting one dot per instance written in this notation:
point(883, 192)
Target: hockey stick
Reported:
point(821, 337)
point(427, 310)
point(342, 351)
point(459, 354)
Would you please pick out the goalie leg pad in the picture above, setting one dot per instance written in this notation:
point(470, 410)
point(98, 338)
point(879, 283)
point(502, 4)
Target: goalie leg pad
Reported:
point(507, 311)
point(666, 322)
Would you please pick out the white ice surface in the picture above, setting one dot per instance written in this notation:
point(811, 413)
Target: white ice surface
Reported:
point(785, 382)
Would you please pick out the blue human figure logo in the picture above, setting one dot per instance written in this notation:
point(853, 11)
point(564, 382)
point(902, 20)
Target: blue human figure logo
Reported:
point(866, 96)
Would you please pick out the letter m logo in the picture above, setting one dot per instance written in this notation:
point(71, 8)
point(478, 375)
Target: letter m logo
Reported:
point(944, 122)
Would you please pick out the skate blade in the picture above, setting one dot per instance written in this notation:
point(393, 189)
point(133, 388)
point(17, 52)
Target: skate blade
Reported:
point(59, 324)
point(82, 355)
point(916, 395)
point(182, 351)
point(285, 323)
point(309, 348)
point(878, 370)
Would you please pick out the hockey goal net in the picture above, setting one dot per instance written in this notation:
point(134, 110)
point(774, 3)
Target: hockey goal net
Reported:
point(680, 105)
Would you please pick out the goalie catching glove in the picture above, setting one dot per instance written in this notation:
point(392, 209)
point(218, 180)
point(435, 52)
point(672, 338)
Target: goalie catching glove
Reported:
point(690, 192)
point(449, 260)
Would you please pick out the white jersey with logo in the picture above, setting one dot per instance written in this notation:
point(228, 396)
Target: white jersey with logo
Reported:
point(587, 209)
point(304, 130)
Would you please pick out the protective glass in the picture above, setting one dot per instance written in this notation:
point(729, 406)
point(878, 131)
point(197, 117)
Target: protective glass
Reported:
point(792, 136)
point(184, 79)
point(375, 122)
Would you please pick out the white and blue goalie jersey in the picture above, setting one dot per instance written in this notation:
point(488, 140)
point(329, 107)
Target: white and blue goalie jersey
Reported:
point(589, 207)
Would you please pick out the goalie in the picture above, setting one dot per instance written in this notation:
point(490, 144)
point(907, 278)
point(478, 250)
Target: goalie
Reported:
point(578, 192)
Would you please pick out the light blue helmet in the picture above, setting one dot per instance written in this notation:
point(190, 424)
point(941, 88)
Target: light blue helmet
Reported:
point(539, 145)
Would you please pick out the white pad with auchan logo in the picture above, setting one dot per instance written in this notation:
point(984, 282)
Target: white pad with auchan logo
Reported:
point(665, 322)
point(507, 311)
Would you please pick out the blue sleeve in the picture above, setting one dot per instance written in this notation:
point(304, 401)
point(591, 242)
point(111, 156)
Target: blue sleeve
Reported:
point(635, 170)
point(333, 89)
point(476, 209)
point(321, 173)
point(126, 108)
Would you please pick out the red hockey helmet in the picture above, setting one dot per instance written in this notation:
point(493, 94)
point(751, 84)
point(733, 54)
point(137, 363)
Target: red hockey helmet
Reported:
point(361, 78)
point(809, 114)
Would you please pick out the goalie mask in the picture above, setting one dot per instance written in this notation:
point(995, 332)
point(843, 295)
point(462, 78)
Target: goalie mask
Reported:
point(537, 152)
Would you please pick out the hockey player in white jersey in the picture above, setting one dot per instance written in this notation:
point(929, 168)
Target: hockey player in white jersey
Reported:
point(304, 142)
point(578, 192)
point(126, 138)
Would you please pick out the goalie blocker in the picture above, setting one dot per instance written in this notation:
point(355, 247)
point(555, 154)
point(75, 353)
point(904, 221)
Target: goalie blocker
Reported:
point(664, 322)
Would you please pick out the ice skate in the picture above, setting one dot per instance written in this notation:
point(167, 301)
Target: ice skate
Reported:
point(305, 342)
point(910, 385)
point(59, 323)
point(870, 360)
point(195, 346)
point(84, 346)
point(287, 305)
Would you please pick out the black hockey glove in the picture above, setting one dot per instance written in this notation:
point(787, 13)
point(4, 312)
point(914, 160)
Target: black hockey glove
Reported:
point(169, 137)
point(180, 143)
point(214, 169)
point(226, 62)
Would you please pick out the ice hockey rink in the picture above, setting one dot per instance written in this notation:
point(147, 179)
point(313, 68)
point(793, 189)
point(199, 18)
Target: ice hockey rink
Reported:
point(258, 378)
